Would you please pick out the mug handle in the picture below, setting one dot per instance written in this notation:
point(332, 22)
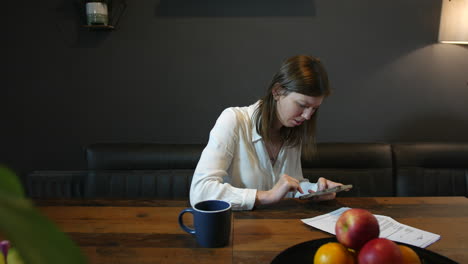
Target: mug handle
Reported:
point(181, 222)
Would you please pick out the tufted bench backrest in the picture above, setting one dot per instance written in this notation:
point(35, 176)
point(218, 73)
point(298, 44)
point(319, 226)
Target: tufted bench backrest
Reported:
point(368, 166)
point(165, 170)
point(431, 169)
point(145, 170)
point(151, 170)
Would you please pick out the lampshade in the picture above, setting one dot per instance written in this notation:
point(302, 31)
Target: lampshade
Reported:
point(454, 22)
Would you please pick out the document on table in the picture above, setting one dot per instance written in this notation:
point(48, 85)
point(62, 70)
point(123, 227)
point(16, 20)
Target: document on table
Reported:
point(389, 228)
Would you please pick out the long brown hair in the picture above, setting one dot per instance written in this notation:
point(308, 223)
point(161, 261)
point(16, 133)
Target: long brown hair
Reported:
point(301, 74)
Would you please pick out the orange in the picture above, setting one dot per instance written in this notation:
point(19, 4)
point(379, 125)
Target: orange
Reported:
point(333, 252)
point(409, 256)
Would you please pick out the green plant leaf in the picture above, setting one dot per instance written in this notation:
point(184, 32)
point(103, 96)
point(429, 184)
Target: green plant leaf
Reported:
point(34, 236)
point(9, 183)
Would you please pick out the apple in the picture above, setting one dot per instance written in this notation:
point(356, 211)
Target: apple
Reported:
point(380, 251)
point(355, 227)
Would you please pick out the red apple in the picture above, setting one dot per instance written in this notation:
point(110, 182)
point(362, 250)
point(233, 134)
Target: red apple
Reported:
point(380, 251)
point(355, 227)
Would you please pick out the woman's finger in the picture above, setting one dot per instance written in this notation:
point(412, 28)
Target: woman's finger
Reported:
point(295, 185)
point(322, 184)
point(299, 189)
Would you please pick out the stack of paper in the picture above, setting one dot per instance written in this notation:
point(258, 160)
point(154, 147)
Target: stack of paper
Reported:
point(389, 228)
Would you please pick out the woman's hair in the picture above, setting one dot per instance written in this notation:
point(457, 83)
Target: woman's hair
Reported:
point(301, 74)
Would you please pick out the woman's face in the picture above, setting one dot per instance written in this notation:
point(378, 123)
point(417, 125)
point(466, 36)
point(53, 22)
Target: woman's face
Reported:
point(295, 108)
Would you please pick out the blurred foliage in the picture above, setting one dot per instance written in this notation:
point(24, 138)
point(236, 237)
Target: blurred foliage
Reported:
point(34, 236)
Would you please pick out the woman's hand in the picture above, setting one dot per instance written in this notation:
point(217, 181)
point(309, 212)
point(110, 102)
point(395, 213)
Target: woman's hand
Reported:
point(323, 184)
point(284, 185)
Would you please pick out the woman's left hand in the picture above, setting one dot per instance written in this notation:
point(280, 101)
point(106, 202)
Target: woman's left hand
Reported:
point(323, 184)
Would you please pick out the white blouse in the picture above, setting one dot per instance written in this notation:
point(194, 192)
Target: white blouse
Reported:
point(235, 162)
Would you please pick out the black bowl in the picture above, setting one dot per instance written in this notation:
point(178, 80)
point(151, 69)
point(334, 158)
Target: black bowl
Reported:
point(304, 253)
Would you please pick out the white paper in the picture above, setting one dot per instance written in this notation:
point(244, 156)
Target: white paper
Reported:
point(389, 228)
point(306, 186)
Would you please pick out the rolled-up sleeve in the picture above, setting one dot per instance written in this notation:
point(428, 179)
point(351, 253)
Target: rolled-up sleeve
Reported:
point(208, 179)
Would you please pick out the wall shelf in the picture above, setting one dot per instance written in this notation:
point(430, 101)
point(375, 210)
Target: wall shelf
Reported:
point(99, 27)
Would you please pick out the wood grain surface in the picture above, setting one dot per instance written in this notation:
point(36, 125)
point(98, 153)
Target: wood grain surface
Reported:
point(147, 231)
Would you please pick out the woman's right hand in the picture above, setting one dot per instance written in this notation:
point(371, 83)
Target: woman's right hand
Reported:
point(284, 185)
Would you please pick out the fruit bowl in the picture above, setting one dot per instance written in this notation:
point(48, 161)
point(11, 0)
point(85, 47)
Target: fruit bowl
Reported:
point(304, 253)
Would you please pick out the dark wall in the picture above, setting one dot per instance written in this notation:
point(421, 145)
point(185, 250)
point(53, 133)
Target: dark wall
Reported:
point(169, 69)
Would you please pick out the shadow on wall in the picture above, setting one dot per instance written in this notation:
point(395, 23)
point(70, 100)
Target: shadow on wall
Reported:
point(378, 41)
point(235, 8)
point(431, 128)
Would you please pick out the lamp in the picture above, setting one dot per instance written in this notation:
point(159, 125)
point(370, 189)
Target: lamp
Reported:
point(454, 22)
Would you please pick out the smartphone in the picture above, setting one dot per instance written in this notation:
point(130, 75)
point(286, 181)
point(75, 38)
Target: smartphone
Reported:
point(336, 189)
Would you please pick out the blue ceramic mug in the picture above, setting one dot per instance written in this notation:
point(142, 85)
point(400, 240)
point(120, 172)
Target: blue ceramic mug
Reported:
point(212, 223)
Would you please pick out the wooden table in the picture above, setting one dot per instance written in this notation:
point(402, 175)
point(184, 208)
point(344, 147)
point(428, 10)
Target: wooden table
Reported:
point(146, 231)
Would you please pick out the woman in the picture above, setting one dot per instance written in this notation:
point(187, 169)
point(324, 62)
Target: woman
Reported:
point(253, 155)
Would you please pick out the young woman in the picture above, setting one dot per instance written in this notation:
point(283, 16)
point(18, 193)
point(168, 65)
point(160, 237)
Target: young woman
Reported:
point(253, 155)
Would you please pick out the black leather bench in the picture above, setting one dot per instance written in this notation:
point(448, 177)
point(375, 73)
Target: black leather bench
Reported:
point(150, 170)
point(367, 166)
point(146, 170)
point(53, 184)
point(431, 169)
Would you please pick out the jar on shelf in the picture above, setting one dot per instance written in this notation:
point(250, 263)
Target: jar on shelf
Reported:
point(96, 13)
